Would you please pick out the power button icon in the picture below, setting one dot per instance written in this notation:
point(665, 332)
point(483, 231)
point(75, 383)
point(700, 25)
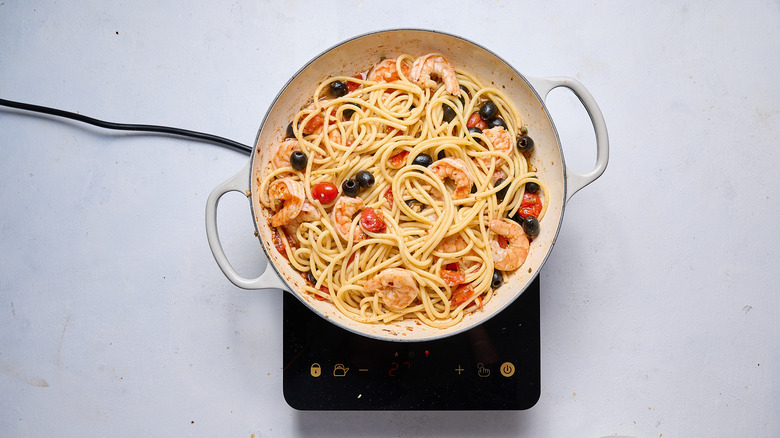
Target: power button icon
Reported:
point(507, 369)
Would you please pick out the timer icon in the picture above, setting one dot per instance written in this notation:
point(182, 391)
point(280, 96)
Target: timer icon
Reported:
point(507, 369)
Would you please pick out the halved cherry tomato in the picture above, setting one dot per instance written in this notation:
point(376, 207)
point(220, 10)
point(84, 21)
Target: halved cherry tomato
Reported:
point(352, 86)
point(313, 124)
point(372, 220)
point(279, 243)
point(476, 121)
point(325, 192)
point(462, 294)
point(389, 196)
point(531, 205)
point(452, 277)
point(399, 159)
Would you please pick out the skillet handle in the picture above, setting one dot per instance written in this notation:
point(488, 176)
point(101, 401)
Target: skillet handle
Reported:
point(238, 183)
point(575, 181)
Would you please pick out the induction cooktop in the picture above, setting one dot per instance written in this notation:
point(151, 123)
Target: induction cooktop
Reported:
point(494, 366)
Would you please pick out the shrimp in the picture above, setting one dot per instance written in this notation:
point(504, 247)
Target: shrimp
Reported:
point(451, 244)
point(309, 213)
point(514, 255)
point(455, 169)
point(289, 192)
point(395, 286)
point(387, 71)
point(343, 211)
point(501, 141)
point(436, 65)
point(281, 157)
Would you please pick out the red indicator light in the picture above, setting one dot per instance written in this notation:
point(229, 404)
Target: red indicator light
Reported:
point(426, 353)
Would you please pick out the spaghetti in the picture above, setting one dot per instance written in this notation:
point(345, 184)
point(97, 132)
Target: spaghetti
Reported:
point(421, 227)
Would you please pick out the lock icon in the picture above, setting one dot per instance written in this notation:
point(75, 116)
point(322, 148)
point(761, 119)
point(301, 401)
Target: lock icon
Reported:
point(315, 370)
point(339, 370)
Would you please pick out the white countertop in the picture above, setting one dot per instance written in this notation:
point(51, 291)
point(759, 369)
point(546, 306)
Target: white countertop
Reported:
point(659, 301)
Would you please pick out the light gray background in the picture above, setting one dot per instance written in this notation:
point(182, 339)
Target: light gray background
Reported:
point(659, 301)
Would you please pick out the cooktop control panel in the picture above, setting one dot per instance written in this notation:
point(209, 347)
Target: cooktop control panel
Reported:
point(493, 366)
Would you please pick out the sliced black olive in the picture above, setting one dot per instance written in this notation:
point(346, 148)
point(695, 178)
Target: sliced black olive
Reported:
point(310, 278)
point(350, 188)
point(532, 187)
point(365, 179)
point(349, 109)
point(338, 88)
point(290, 131)
point(449, 113)
point(497, 121)
point(441, 155)
point(488, 110)
point(497, 280)
point(475, 130)
point(473, 188)
point(298, 160)
point(501, 193)
point(531, 226)
point(465, 91)
point(423, 160)
point(525, 144)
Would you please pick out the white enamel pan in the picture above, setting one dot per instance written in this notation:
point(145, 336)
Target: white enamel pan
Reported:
point(358, 54)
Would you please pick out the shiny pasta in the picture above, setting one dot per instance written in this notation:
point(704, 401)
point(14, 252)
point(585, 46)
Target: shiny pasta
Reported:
point(434, 253)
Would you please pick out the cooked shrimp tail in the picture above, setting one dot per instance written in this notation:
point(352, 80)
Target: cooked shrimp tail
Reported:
point(432, 65)
point(290, 194)
point(516, 251)
point(395, 286)
point(456, 170)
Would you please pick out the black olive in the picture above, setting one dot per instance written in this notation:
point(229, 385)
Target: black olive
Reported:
point(497, 121)
point(465, 91)
point(290, 131)
point(423, 160)
point(338, 88)
point(349, 109)
point(365, 179)
point(441, 155)
point(497, 280)
point(298, 160)
point(350, 188)
point(473, 188)
point(310, 278)
point(475, 130)
point(531, 226)
point(488, 110)
point(449, 113)
point(532, 187)
point(525, 144)
point(501, 193)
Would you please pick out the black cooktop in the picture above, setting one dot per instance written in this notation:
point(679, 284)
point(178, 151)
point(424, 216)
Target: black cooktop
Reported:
point(493, 366)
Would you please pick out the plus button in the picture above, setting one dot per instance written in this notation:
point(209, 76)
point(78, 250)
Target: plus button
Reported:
point(459, 369)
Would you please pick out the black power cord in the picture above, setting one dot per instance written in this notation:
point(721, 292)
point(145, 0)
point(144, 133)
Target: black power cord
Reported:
point(129, 127)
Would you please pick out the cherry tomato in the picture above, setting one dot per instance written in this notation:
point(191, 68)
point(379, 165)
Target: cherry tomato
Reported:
point(462, 294)
point(476, 121)
point(372, 220)
point(452, 277)
point(389, 196)
point(325, 192)
point(398, 159)
point(313, 124)
point(352, 86)
point(279, 243)
point(531, 205)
